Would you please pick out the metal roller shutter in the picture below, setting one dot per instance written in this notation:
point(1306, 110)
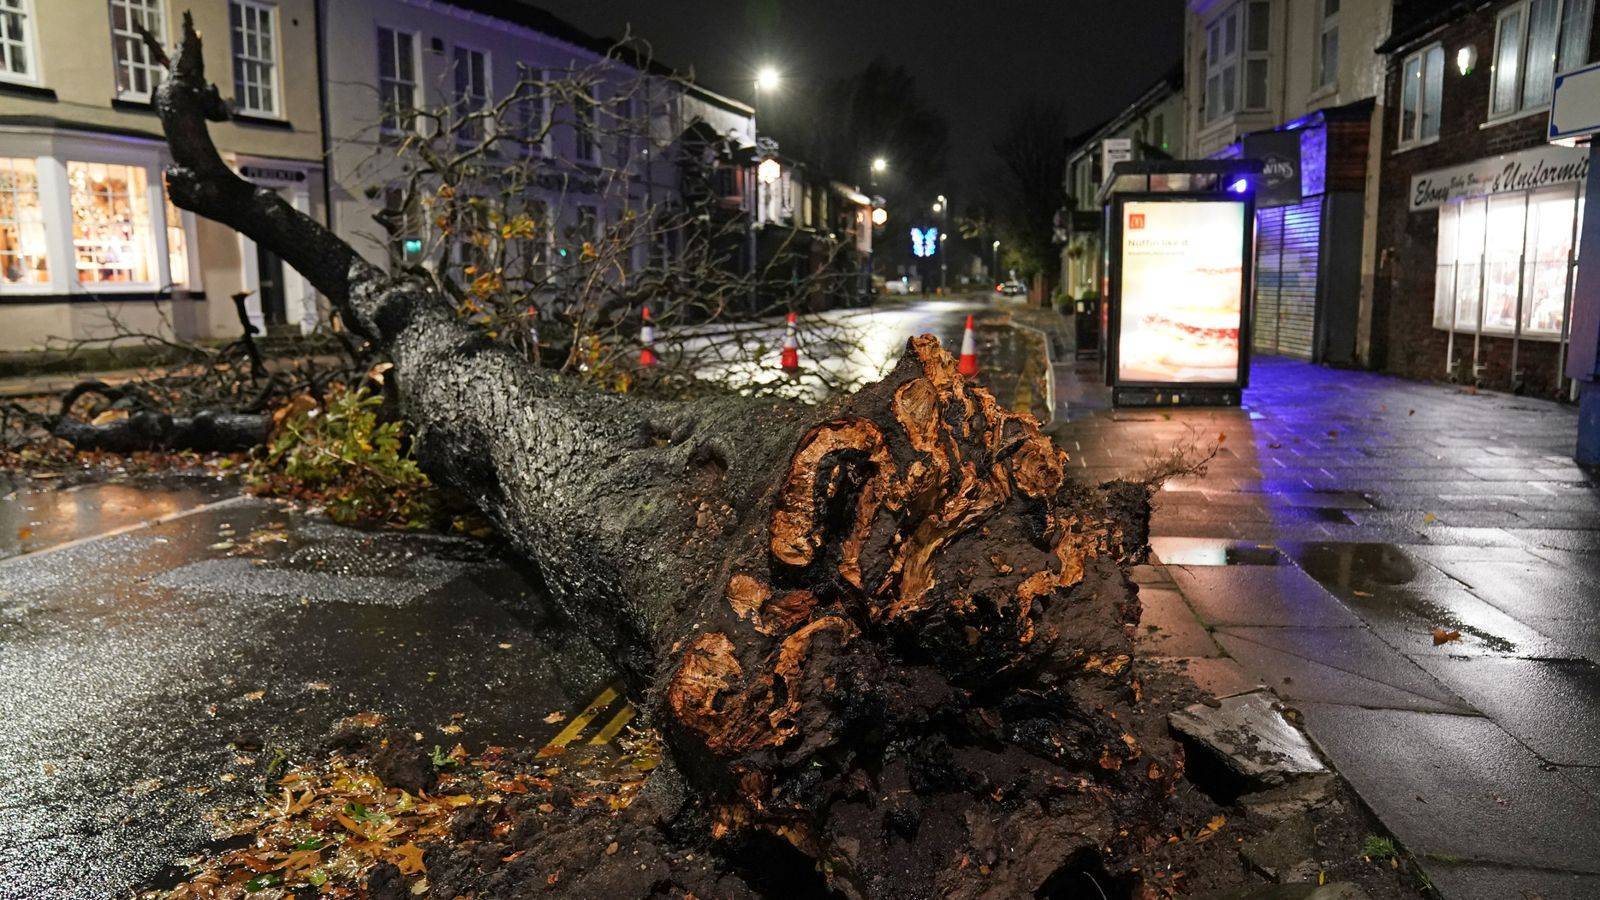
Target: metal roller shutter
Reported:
point(1288, 242)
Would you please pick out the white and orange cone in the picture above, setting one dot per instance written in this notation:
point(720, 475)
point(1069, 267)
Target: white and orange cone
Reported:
point(791, 349)
point(647, 341)
point(969, 351)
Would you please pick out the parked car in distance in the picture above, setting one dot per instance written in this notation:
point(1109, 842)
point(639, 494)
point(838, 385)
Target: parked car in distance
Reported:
point(1011, 288)
point(905, 284)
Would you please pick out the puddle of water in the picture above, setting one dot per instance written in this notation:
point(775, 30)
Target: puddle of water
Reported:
point(1177, 551)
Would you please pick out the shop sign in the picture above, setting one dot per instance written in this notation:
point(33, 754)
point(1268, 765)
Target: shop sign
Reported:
point(1575, 111)
point(1525, 171)
point(1113, 151)
point(273, 174)
point(1279, 152)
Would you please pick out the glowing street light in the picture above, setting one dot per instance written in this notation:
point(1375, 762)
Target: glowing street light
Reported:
point(880, 216)
point(880, 166)
point(768, 79)
point(938, 208)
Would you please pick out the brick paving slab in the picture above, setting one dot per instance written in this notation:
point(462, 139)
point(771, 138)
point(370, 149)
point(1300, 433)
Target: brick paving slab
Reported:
point(1259, 595)
point(1563, 727)
point(1469, 882)
point(1459, 788)
point(1298, 676)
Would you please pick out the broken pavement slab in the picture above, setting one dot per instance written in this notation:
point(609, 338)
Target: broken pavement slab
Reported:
point(1251, 738)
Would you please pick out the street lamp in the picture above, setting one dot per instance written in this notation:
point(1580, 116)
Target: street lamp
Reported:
point(880, 166)
point(996, 270)
point(768, 79)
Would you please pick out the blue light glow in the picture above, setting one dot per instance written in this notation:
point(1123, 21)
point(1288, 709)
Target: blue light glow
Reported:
point(1242, 186)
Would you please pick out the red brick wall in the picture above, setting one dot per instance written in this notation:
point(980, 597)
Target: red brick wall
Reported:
point(1404, 339)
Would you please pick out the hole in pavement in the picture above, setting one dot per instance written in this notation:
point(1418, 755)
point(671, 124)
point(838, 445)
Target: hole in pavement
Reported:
point(1204, 769)
point(1214, 552)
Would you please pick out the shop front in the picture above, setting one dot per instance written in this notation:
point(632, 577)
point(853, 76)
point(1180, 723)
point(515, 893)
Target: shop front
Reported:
point(1505, 259)
point(1309, 222)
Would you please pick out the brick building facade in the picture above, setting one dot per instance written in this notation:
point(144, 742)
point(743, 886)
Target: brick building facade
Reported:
point(1465, 157)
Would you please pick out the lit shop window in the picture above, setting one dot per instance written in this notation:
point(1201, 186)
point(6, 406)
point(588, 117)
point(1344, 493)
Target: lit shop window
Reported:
point(137, 73)
point(111, 229)
point(1528, 233)
point(22, 230)
point(177, 246)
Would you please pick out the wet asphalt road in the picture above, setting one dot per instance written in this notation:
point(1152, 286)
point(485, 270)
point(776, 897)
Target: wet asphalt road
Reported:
point(138, 664)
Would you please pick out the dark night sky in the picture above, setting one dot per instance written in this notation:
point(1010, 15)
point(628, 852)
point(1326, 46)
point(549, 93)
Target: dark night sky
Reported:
point(972, 58)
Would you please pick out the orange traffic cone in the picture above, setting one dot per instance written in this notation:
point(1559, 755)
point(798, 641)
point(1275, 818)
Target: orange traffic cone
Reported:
point(969, 351)
point(647, 341)
point(791, 349)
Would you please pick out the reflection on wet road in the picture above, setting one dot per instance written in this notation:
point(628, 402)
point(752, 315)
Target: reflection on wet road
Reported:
point(147, 676)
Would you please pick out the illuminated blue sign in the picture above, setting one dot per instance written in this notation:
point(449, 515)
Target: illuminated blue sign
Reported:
point(924, 243)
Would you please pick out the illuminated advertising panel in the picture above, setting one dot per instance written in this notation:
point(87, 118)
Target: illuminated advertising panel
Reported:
point(1180, 304)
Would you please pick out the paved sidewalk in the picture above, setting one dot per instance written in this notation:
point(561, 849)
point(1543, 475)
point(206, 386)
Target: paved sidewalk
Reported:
point(1346, 518)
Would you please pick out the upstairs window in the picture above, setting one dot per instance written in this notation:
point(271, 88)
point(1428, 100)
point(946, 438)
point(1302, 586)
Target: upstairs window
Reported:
point(1222, 66)
point(16, 57)
point(471, 92)
point(1533, 40)
point(1328, 44)
point(1258, 37)
point(22, 229)
point(137, 73)
point(397, 80)
point(532, 113)
point(255, 57)
point(588, 148)
point(1421, 90)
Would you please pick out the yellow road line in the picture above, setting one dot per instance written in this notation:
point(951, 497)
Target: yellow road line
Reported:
point(615, 726)
point(581, 721)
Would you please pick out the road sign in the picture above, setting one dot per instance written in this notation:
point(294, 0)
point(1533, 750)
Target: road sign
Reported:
point(1575, 111)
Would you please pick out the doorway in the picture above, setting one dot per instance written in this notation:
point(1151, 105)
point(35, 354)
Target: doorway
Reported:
point(274, 299)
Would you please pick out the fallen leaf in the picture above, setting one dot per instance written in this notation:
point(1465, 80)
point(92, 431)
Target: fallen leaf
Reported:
point(24, 533)
point(255, 695)
point(320, 686)
point(409, 858)
point(1211, 828)
point(451, 729)
point(1440, 636)
point(555, 717)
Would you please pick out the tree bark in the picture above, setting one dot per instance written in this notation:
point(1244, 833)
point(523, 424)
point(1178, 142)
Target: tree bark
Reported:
point(891, 634)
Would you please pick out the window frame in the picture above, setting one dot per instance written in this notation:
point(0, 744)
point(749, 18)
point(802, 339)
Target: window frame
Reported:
point(456, 95)
point(1248, 56)
point(129, 38)
point(1519, 107)
point(41, 191)
point(1217, 64)
point(275, 63)
point(1327, 23)
point(390, 125)
point(29, 43)
point(586, 127)
point(1418, 138)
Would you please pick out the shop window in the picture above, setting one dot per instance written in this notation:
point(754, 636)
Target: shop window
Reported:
point(1421, 90)
point(112, 235)
point(16, 47)
point(1507, 250)
point(255, 57)
point(22, 229)
point(471, 93)
point(137, 73)
point(397, 80)
point(1328, 44)
point(177, 247)
point(1533, 40)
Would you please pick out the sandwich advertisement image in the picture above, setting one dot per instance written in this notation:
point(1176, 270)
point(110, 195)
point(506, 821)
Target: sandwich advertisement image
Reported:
point(1182, 292)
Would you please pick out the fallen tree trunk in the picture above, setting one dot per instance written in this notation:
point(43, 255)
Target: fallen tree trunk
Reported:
point(889, 636)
